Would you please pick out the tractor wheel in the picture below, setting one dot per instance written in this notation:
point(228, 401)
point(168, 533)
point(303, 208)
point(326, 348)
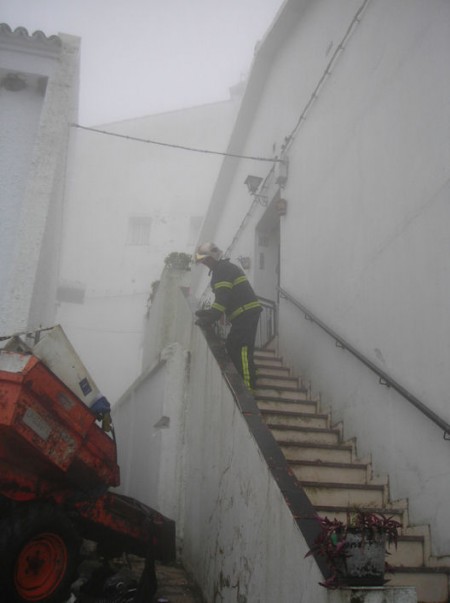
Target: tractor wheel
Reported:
point(38, 555)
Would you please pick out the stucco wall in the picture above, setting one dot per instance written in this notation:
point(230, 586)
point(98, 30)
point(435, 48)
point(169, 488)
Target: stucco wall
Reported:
point(149, 424)
point(237, 534)
point(240, 538)
point(364, 243)
point(111, 180)
point(19, 117)
point(171, 323)
point(368, 225)
point(150, 416)
point(35, 120)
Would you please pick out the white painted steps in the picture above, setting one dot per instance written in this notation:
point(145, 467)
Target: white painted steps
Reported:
point(335, 480)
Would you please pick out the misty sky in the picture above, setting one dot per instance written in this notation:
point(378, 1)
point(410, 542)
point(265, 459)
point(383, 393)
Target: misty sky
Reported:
point(148, 56)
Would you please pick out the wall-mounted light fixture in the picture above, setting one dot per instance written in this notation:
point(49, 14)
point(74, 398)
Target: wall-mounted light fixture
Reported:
point(253, 183)
point(282, 172)
point(281, 207)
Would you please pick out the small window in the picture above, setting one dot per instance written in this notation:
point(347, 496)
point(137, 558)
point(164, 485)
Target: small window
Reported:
point(139, 228)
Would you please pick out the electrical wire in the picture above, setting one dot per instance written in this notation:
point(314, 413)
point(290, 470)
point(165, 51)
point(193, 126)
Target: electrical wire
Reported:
point(176, 146)
point(328, 70)
point(290, 138)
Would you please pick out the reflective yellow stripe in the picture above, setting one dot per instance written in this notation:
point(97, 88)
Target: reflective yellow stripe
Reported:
point(245, 367)
point(218, 307)
point(241, 309)
point(223, 285)
point(229, 284)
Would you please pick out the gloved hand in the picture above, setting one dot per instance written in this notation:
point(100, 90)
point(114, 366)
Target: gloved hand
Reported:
point(202, 322)
point(202, 313)
point(101, 405)
point(101, 408)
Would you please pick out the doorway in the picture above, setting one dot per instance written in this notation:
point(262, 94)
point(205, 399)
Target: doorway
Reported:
point(267, 271)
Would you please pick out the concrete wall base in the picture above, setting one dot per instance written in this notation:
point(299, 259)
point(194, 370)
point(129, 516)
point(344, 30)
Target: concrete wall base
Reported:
point(392, 594)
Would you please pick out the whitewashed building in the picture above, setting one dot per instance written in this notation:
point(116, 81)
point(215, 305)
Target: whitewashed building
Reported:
point(38, 101)
point(347, 233)
point(129, 204)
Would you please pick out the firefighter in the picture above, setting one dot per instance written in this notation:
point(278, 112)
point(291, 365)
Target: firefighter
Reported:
point(235, 298)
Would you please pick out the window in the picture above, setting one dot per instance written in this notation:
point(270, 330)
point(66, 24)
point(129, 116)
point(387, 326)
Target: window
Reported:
point(139, 228)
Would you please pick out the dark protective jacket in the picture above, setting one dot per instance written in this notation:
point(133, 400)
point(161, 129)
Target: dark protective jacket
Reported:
point(234, 295)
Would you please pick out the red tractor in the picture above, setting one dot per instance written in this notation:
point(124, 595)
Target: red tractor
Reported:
point(57, 464)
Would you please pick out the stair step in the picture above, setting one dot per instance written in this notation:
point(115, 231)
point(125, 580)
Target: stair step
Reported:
point(342, 453)
point(262, 354)
point(351, 473)
point(352, 495)
point(289, 406)
point(295, 419)
point(282, 395)
point(431, 584)
point(283, 383)
point(409, 552)
point(269, 371)
point(304, 434)
point(341, 512)
point(268, 363)
point(334, 480)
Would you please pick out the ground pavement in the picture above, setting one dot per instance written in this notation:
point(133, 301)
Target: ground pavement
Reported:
point(175, 586)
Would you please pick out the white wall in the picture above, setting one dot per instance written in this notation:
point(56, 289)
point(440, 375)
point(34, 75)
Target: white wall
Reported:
point(33, 148)
point(111, 180)
point(237, 535)
point(158, 334)
point(150, 416)
point(364, 243)
point(149, 424)
point(241, 540)
point(369, 224)
point(19, 118)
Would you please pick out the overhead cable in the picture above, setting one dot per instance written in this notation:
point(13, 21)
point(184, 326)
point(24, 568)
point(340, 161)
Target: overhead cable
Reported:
point(176, 146)
point(328, 70)
point(290, 138)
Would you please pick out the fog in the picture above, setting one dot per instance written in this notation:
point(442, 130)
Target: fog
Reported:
point(149, 56)
point(140, 58)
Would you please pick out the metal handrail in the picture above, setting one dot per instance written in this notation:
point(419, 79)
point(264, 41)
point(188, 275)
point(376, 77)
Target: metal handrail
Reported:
point(267, 326)
point(385, 379)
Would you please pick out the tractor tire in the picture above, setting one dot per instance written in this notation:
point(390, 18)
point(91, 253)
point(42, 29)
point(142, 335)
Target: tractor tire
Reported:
point(39, 554)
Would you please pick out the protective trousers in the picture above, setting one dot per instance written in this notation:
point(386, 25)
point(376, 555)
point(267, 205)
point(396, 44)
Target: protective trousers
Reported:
point(241, 345)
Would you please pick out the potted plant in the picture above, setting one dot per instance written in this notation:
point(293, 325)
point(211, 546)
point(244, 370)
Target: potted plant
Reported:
point(355, 550)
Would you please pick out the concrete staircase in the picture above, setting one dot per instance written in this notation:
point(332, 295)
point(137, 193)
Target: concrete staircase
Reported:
point(336, 481)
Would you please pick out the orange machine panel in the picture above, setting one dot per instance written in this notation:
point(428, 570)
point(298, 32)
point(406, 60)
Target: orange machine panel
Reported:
point(45, 426)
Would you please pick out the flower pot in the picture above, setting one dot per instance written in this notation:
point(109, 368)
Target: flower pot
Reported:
point(364, 561)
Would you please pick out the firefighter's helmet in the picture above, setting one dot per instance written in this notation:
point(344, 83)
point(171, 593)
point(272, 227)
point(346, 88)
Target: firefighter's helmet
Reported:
point(206, 250)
